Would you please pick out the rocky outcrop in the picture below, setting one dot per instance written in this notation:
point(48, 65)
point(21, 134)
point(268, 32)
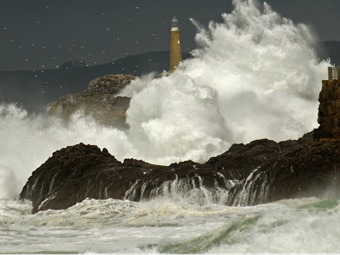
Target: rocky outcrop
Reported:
point(109, 84)
point(83, 171)
point(329, 110)
point(99, 101)
point(258, 172)
point(301, 171)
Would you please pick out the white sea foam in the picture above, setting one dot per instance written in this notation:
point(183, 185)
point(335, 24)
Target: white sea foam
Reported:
point(254, 75)
point(166, 225)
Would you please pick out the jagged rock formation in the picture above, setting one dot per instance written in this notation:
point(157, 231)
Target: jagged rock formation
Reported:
point(83, 171)
point(283, 170)
point(329, 110)
point(302, 171)
point(99, 101)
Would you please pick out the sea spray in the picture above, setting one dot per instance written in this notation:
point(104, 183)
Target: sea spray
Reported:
point(189, 190)
point(28, 141)
point(254, 75)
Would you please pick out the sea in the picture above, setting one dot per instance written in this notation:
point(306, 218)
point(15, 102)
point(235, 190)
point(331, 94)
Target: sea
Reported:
point(254, 75)
point(166, 226)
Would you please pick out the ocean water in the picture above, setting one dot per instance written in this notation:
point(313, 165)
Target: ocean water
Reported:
point(255, 75)
point(165, 226)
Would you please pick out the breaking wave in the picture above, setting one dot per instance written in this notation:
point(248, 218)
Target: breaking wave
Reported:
point(254, 75)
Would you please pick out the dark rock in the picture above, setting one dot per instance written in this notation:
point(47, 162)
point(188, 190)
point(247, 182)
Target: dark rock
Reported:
point(99, 101)
point(329, 110)
point(284, 170)
point(241, 159)
point(83, 171)
point(303, 171)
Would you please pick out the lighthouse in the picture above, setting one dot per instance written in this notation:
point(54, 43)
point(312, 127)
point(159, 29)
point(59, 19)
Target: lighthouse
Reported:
point(175, 45)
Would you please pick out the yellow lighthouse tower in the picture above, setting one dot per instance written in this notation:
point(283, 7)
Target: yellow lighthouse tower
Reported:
point(175, 45)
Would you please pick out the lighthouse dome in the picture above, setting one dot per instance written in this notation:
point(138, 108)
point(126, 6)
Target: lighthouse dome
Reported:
point(174, 22)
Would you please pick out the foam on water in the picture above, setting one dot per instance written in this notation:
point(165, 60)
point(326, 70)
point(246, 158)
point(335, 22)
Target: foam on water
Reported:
point(164, 225)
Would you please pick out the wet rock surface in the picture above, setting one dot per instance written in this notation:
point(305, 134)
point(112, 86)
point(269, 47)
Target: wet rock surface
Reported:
point(304, 170)
point(258, 172)
point(329, 110)
point(99, 101)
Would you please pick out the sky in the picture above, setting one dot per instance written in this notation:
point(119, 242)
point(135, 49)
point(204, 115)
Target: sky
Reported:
point(44, 34)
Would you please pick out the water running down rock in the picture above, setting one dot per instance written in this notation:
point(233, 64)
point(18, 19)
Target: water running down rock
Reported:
point(259, 172)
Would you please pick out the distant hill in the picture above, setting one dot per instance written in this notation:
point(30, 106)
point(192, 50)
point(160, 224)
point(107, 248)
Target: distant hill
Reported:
point(35, 89)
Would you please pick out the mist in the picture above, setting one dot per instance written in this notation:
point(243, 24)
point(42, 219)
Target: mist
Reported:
point(253, 76)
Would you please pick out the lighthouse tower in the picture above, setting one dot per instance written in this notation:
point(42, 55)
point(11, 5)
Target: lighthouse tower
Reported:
point(175, 45)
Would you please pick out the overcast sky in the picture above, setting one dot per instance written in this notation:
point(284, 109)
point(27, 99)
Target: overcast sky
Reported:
point(41, 34)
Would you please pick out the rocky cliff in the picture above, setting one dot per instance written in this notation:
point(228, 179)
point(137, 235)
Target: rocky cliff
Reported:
point(99, 101)
point(329, 110)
